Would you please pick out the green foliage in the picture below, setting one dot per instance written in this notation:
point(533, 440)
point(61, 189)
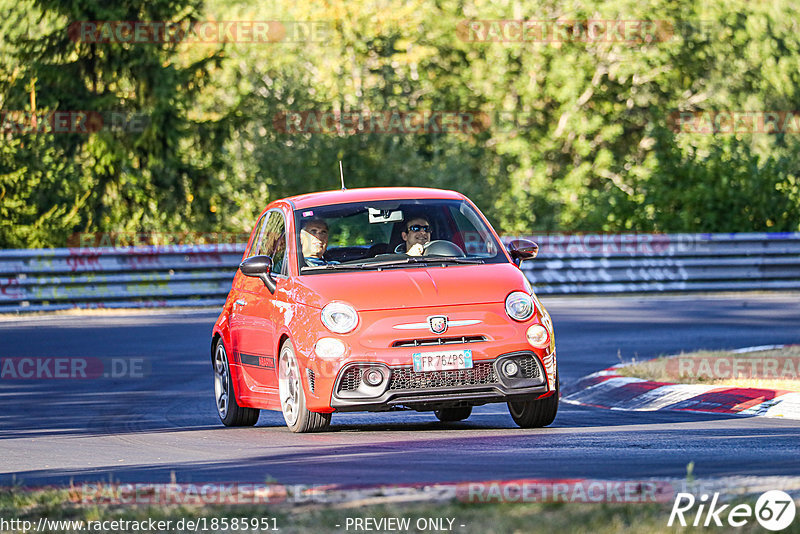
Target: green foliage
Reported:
point(122, 177)
point(39, 202)
point(577, 134)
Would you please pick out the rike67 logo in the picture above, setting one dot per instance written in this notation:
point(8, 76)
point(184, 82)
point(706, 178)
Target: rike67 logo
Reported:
point(774, 510)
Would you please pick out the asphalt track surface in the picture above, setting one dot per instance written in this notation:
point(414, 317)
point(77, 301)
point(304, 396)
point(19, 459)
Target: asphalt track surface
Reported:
point(164, 424)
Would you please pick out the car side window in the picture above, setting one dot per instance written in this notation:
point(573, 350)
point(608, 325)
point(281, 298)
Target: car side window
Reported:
point(253, 247)
point(272, 242)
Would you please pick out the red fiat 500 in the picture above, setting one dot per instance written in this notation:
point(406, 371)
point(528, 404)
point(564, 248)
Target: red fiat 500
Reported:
point(381, 299)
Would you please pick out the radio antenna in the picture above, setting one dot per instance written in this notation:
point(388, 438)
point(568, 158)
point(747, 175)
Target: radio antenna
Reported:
point(341, 175)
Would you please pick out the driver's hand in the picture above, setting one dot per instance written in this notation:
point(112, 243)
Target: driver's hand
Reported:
point(416, 250)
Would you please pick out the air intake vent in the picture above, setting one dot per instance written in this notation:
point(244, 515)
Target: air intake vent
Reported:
point(310, 375)
point(351, 379)
point(530, 369)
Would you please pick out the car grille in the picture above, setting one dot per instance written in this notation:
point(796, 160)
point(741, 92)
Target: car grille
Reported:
point(406, 378)
point(438, 341)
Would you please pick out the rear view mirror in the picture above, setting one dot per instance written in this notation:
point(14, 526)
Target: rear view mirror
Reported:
point(259, 267)
point(384, 216)
point(522, 249)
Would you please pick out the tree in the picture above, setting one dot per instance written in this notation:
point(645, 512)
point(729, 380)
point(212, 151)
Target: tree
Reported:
point(151, 165)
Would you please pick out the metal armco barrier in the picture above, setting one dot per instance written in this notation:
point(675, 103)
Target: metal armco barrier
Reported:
point(200, 275)
point(664, 262)
point(125, 277)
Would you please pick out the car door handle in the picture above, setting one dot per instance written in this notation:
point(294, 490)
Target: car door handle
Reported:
point(240, 302)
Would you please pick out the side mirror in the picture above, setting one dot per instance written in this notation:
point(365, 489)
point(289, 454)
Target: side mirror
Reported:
point(259, 267)
point(522, 249)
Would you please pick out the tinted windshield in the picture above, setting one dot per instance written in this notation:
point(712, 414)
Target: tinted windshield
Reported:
point(408, 233)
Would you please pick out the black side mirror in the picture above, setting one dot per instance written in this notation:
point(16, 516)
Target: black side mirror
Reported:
point(522, 249)
point(259, 267)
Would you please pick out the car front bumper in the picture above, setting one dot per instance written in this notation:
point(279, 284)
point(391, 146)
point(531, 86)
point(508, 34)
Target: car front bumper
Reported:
point(402, 387)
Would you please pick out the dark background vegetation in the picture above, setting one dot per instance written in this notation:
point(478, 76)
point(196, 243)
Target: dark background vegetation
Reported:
point(592, 149)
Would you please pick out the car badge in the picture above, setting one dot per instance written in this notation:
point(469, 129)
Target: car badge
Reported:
point(438, 324)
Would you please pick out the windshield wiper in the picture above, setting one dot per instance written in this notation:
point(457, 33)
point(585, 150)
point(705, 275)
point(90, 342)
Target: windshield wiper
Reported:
point(370, 265)
point(417, 260)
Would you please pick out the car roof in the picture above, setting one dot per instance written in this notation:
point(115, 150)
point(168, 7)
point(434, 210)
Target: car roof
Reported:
point(309, 200)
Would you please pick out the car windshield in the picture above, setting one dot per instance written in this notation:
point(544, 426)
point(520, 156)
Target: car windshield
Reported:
point(387, 234)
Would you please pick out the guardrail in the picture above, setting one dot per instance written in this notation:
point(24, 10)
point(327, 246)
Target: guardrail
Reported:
point(200, 275)
point(135, 277)
point(665, 262)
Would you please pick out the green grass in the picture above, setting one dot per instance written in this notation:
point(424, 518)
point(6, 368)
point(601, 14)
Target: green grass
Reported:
point(658, 369)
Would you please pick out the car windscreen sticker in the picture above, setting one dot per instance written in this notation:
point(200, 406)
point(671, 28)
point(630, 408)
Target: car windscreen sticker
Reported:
point(308, 213)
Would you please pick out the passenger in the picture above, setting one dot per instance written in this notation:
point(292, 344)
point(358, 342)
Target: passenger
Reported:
point(314, 240)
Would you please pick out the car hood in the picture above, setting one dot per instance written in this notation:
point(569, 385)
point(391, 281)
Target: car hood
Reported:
point(412, 287)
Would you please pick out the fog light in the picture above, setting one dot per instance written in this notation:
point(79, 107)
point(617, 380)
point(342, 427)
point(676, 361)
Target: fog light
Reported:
point(510, 368)
point(330, 348)
point(373, 377)
point(538, 337)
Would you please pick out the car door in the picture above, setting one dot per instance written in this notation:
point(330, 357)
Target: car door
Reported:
point(239, 290)
point(254, 328)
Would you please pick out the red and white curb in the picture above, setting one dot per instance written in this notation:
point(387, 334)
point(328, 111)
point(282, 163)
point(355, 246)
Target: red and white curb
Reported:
point(607, 389)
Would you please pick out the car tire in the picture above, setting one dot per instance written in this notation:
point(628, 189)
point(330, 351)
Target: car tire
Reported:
point(229, 411)
point(450, 415)
point(293, 398)
point(535, 413)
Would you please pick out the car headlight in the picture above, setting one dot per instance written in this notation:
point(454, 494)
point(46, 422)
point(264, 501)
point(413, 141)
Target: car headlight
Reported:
point(519, 306)
point(339, 317)
point(330, 348)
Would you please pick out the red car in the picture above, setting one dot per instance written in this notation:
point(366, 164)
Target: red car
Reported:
point(381, 299)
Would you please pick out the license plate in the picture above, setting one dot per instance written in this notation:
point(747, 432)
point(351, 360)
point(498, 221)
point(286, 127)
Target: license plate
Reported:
point(442, 360)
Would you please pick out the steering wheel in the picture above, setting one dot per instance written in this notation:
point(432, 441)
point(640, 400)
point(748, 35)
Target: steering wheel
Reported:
point(441, 247)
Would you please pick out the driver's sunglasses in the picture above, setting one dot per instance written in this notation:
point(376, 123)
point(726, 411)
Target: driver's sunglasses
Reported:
point(419, 228)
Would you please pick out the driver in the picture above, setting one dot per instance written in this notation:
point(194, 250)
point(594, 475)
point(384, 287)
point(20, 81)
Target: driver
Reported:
point(417, 234)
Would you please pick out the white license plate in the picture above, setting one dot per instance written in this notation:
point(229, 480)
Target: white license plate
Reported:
point(444, 360)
